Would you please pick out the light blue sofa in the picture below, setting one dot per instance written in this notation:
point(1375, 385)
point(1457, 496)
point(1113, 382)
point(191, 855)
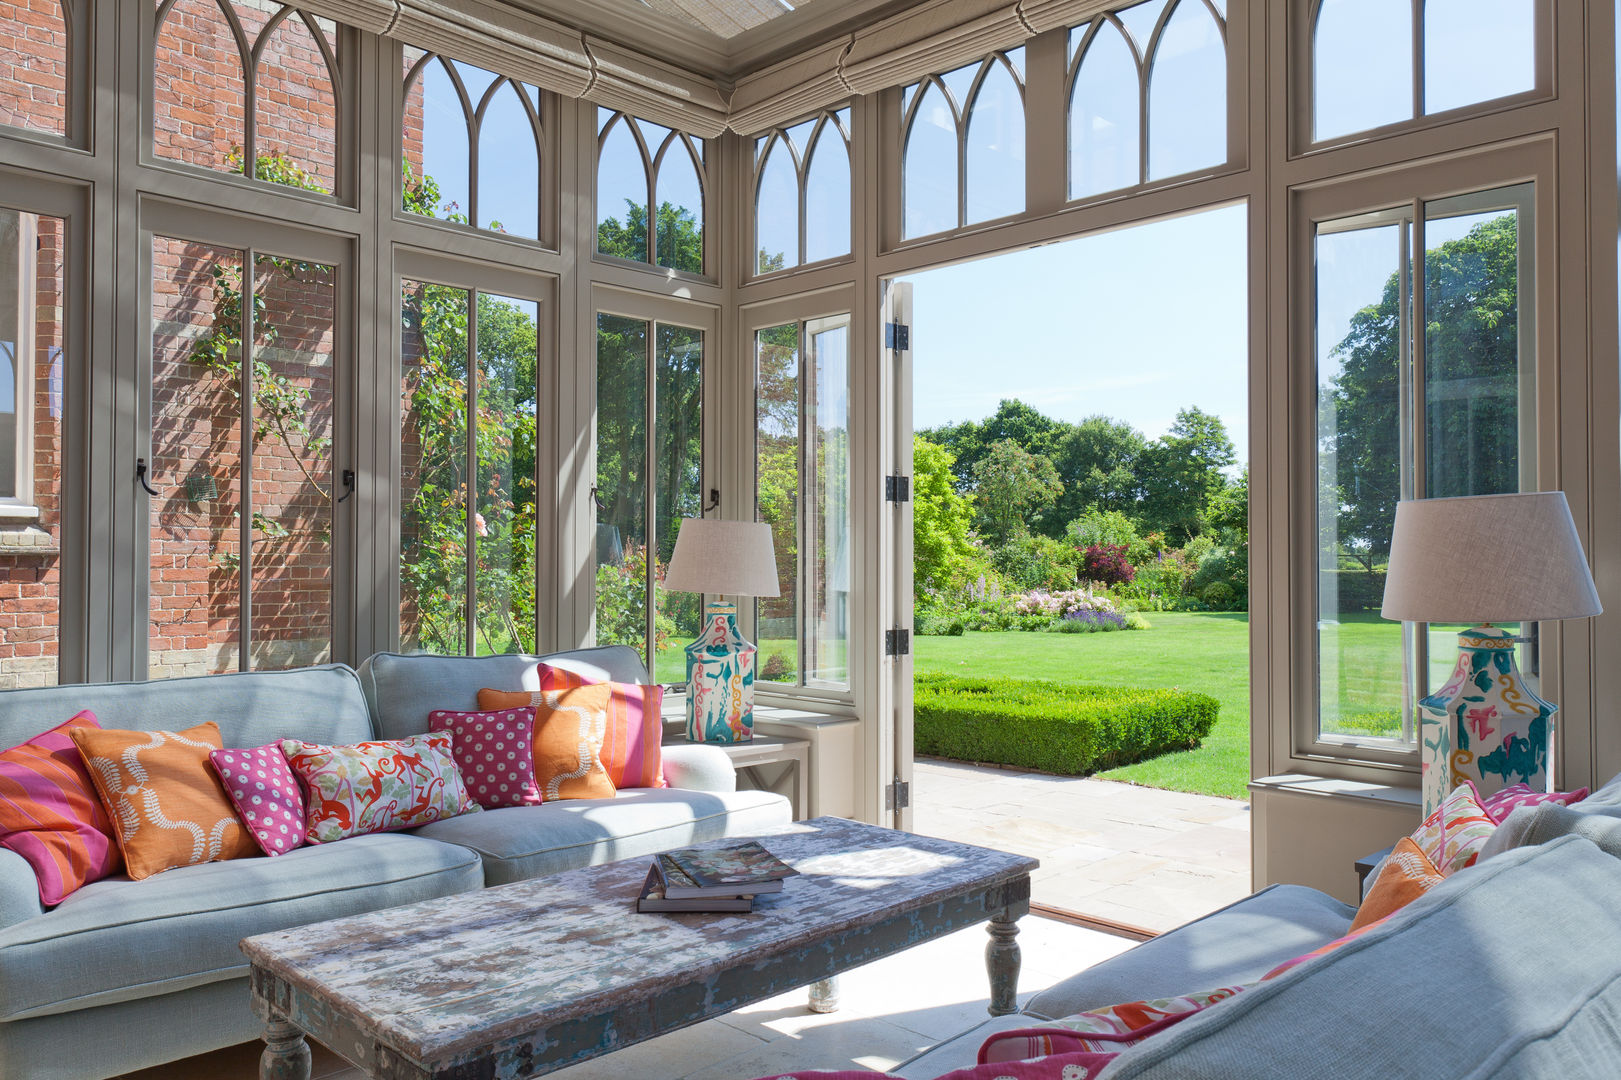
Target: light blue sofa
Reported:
point(123, 975)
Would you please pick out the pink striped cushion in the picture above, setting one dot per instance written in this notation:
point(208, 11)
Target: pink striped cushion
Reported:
point(632, 732)
point(50, 815)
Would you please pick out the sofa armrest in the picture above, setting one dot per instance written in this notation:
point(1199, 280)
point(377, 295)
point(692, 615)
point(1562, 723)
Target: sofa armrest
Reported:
point(697, 767)
point(19, 889)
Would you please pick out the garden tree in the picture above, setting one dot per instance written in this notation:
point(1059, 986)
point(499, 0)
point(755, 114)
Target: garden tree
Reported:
point(1012, 488)
point(680, 236)
point(1097, 461)
point(970, 441)
point(777, 456)
point(943, 555)
point(1227, 511)
point(1181, 470)
point(1471, 415)
point(1096, 526)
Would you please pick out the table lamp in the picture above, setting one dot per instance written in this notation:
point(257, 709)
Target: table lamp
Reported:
point(1482, 560)
point(716, 557)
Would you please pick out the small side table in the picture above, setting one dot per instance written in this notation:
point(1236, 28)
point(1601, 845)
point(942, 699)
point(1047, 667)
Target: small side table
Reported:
point(1366, 865)
point(767, 750)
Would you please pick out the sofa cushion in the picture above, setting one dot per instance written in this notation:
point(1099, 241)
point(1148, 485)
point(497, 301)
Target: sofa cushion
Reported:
point(522, 842)
point(51, 816)
point(1237, 944)
point(959, 1051)
point(1531, 825)
point(117, 940)
point(1507, 944)
point(403, 689)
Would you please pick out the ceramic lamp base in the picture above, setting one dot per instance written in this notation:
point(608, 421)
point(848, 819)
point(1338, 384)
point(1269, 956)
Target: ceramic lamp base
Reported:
point(720, 680)
point(1485, 725)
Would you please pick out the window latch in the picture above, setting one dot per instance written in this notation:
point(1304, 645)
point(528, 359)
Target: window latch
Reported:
point(140, 477)
point(348, 484)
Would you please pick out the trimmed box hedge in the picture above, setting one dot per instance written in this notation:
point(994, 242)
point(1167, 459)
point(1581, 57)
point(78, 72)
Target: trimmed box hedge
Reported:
point(1054, 727)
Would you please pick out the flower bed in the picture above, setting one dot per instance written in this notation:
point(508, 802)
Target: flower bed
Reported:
point(1054, 727)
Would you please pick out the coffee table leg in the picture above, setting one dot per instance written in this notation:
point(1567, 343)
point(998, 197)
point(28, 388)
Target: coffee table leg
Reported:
point(1002, 960)
point(287, 1055)
point(824, 995)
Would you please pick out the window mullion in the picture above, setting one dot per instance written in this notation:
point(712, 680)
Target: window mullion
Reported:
point(470, 481)
point(650, 498)
point(245, 415)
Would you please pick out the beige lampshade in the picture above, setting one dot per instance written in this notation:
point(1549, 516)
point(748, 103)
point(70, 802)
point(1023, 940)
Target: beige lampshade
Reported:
point(732, 558)
point(1488, 559)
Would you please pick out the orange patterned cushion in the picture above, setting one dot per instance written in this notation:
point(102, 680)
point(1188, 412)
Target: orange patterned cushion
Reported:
point(569, 728)
point(165, 799)
point(1407, 876)
point(631, 734)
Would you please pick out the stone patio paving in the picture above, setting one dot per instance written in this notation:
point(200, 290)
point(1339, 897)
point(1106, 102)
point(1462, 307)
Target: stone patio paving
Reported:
point(1148, 858)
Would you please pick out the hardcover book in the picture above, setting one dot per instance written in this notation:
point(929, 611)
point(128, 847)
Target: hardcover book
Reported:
point(745, 867)
point(653, 899)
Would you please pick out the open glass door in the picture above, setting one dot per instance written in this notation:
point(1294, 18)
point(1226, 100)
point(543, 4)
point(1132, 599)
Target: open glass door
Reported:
point(897, 518)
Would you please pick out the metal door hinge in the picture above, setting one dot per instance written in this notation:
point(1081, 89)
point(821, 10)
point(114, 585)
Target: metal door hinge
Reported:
point(897, 795)
point(897, 642)
point(897, 336)
point(897, 489)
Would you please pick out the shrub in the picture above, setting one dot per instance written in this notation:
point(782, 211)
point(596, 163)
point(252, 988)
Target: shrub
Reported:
point(1106, 564)
point(1054, 727)
point(1035, 562)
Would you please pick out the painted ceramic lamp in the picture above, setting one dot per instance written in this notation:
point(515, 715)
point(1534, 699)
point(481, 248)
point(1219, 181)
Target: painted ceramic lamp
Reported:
point(730, 558)
point(1484, 560)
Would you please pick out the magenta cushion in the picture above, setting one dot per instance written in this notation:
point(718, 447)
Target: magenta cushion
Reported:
point(50, 815)
point(1501, 804)
point(495, 752)
point(266, 795)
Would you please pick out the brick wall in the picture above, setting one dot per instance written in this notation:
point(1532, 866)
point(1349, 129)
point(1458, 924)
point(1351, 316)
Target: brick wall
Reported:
point(33, 65)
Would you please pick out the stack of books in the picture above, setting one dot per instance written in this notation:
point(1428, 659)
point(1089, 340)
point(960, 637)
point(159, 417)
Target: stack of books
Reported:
point(723, 879)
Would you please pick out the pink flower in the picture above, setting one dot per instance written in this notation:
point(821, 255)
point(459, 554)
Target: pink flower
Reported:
point(478, 525)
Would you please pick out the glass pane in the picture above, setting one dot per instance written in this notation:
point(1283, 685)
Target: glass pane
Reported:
point(827, 523)
point(1476, 50)
point(777, 496)
point(441, 189)
point(776, 212)
point(680, 240)
point(475, 80)
point(1474, 375)
point(196, 464)
point(1140, 21)
point(291, 481)
point(622, 196)
point(1187, 95)
point(678, 455)
point(31, 281)
point(930, 167)
point(508, 166)
point(827, 197)
point(1104, 125)
point(1360, 360)
point(433, 469)
point(34, 41)
point(996, 148)
point(621, 538)
point(504, 515)
point(961, 82)
point(197, 88)
point(295, 111)
point(1363, 66)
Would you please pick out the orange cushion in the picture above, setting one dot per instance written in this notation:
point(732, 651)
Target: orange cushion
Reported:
point(1408, 875)
point(633, 736)
point(164, 798)
point(569, 729)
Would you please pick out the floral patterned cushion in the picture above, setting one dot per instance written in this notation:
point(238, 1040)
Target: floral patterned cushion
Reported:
point(495, 752)
point(1078, 1066)
point(265, 794)
point(1452, 836)
point(1101, 1031)
point(1501, 804)
point(377, 786)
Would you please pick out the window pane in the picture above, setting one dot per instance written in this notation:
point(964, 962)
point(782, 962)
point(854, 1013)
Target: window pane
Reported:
point(295, 110)
point(827, 197)
point(777, 497)
point(1187, 95)
point(31, 280)
point(1360, 361)
point(291, 482)
point(776, 211)
point(433, 469)
point(196, 463)
point(930, 167)
point(1476, 50)
point(1140, 21)
point(509, 166)
point(680, 240)
point(827, 573)
point(1363, 73)
point(996, 148)
point(443, 189)
point(678, 449)
point(622, 196)
point(1104, 122)
point(504, 519)
point(34, 42)
point(198, 101)
point(621, 539)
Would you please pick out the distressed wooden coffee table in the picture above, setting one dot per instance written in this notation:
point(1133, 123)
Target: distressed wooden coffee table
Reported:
point(523, 979)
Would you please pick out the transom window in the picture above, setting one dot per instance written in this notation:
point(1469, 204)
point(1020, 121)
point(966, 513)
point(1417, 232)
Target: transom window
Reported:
point(247, 88)
point(645, 171)
point(802, 193)
point(963, 161)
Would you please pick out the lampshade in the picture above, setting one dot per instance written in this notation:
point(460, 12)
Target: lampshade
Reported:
point(734, 558)
point(1488, 559)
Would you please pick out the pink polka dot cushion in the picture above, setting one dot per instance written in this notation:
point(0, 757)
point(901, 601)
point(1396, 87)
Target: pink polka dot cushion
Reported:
point(495, 752)
point(266, 795)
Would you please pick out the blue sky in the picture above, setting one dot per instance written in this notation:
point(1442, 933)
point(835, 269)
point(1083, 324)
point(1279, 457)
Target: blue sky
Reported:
point(1133, 324)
